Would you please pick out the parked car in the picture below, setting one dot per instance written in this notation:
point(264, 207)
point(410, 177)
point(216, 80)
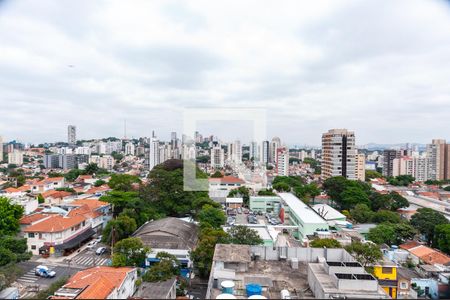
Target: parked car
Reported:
point(92, 244)
point(246, 211)
point(239, 210)
point(231, 221)
point(100, 250)
point(99, 238)
point(44, 271)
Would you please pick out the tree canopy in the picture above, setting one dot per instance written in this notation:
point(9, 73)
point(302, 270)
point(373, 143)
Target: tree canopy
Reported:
point(244, 235)
point(166, 268)
point(123, 182)
point(425, 221)
point(129, 252)
point(442, 237)
point(391, 234)
point(365, 253)
point(325, 243)
point(10, 215)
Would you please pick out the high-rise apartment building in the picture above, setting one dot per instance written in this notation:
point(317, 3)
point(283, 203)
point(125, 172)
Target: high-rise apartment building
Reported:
point(282, 161)
point(274, 145)
point(153, 154)
point(389, 155)
point(361, 167)
point(438, 153)
point(1, 149)
point(71, 134)
point(237, 152)
point(129, 149)
point(15, 157)
point(254, 152)
point(265, 152)
point(338, 154)
point(217, 156)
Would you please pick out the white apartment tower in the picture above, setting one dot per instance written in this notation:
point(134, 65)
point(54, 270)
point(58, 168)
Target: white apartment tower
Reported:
point(129, 149)
point(361, 167)
point(71, 134)
point(1, 149)
point(265, 152)
point(237, 152)
point(15, 158)
point(338, 154)
point(217, 157)
point(282, 161)
point(154, 153)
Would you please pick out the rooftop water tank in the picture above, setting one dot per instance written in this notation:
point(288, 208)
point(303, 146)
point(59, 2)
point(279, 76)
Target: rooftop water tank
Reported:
point(257, 297)
point(227, 286)
point(225, 296)
point(253, 289)
point(284, 294)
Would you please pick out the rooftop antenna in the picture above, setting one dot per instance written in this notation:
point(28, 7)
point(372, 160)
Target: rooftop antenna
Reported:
point(125, 129)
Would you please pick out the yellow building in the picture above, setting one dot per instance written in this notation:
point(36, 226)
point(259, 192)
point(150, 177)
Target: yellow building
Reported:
point(386, 273)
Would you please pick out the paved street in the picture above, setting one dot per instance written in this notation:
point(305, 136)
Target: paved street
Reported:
point(29, 282)
point(88, 258)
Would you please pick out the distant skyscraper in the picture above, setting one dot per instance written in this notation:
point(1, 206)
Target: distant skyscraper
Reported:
point(338, 154)
point(254, 152)
point(154, 153)
point(438, 153)
point(282, 161)
point(173, 140)
point(1, 149)
point(237, 151)
point(71, 134)
point(217, 156)
point(361, 167)
point(389, 157)
point(15, 158)
point(265, 152)
point(274, 145)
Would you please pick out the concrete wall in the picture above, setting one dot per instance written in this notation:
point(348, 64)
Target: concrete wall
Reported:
point(302, 254)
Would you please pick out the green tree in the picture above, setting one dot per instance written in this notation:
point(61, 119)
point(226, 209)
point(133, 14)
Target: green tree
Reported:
point(202, 255)
point(383, 216)
point(217, 174)
point(129, 252)
point(327, 243)
point(361, 213)
point(365, 253)
point(442, 237)
point(117, 156)
point(425, 221)
point(241, 191)
point(123, 182)
point(7, 256)
point(16, 245)
point(92, 169)
point(166, 268)
point(401, 180)
point(307, 191)
point(391, 234)
point(212, 216)
point(165, 190)
point(282, 187)
point(391, 201)
point(334, 186)
point(41, 199)
point(244, 235)
point(370, 174)
point(99, 182)
point(352, 196)
point(121, 200)
point(73, 174)
point(121, 227)
point(10, 215)
point(268, 192)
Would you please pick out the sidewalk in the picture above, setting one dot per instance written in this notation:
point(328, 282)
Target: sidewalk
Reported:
point(62, 260)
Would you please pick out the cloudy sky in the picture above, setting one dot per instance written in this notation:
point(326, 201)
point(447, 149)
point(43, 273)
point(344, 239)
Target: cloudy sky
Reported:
point(381, 68)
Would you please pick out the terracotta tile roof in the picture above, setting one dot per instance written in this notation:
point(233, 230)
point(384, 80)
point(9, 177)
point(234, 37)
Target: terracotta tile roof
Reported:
point(11, 190)
point(56, 223)
point(55, 194)
point(409, 245)
point(24, 188)
point(29, 219)
point(83, 177)
point(227, 179)
point(99, 189)
point(430, 256)
point(92, 203)
point(97, 282)
point(85, 211)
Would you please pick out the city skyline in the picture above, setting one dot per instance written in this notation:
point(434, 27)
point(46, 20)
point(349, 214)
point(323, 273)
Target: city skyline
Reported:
point(95, 65)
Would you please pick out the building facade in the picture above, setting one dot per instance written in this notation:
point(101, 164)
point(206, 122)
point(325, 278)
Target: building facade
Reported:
point(338, 154)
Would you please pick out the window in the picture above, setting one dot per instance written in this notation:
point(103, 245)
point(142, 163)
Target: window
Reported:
point(386, 270)
point(31, 234)
point(33, 247)
point(403, 285)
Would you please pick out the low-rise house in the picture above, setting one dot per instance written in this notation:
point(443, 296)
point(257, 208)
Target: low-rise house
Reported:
point(157, 290)
point(47, 184)
point(56, 197)
point(422, 254)
point(219, 188)
point(405, 278)
point(58, 235)
point(386, 273)
point(171, 235)
point(99, 283)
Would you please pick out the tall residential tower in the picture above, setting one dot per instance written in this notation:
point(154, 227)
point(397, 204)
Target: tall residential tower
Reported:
point(338, 154)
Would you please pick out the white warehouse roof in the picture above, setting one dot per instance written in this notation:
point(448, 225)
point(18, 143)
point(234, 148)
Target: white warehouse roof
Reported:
point(327, 212)
point(303, 211)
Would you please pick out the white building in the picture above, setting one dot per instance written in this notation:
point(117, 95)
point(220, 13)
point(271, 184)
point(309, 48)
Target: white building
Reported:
point(71, 134)
point(265, 152)
point(217, 157)
point(1, 149)
point(130, 149)
point(105, 162)
point(338, 154)
point(237, 152)
point(15, 157)
point(153, 154)
point(282, 161)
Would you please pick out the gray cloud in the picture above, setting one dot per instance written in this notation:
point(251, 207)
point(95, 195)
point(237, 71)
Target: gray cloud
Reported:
point(380, 68)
